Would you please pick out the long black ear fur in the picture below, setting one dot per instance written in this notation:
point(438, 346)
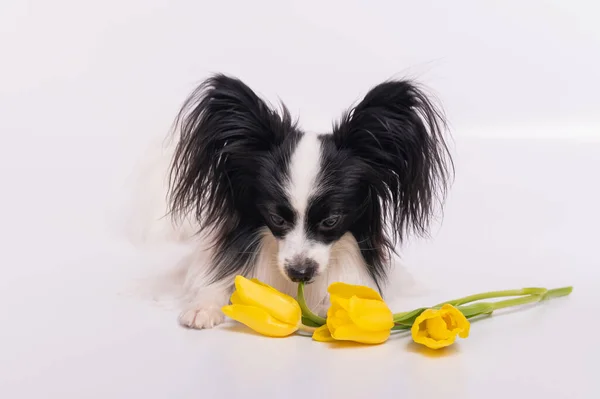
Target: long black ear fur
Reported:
point(398, 133)
point(223, 127)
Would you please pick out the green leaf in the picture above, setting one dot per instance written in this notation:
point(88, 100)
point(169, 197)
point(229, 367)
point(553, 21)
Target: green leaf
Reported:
point(476, 309)
point(400, 328)
point(308, 322)
point(557, 292)
point(408, 318)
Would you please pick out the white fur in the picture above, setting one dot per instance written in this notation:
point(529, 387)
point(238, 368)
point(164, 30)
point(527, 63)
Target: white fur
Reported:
point(302, 184)
point(303, 171)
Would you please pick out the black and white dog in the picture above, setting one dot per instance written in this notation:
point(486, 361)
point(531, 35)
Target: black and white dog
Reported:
point(253, 194)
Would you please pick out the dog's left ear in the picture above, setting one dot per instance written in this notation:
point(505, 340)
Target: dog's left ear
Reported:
point(398, 133)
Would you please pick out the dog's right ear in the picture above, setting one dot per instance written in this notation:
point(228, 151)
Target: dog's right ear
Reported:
point(223, 127)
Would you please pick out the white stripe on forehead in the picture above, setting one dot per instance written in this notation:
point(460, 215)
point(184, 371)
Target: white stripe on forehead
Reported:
point(304, 167)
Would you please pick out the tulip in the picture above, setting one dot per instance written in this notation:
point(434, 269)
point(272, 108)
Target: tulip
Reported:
point(263, 309)
point(358, 314)
point(438, 328)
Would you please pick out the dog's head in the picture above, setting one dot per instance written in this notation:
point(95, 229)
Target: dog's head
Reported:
point(244, 168)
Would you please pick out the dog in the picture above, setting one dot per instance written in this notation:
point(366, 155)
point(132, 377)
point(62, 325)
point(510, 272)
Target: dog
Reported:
point(251, 193)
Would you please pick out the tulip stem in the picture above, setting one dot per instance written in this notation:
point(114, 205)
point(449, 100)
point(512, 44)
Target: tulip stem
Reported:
point(489, 307)
point(306, 312)
point(307, 329)
point(557, 293)
point(494, 294)
point(400, 327)
point(524, 296)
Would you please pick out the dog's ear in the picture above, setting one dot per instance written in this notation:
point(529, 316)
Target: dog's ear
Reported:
point(398, 133)
point(223, 128)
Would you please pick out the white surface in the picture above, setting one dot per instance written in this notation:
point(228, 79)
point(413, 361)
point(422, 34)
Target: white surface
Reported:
point(521, 214)
point(82, 94)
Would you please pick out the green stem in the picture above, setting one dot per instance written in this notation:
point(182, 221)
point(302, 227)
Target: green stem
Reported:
point(494, 294)
point(507, 303)
point(307, 329)
point(525, 296)
point(557, 293)
point(306, 312)
point(478, 297)
point(489, 307)
point(400, 327)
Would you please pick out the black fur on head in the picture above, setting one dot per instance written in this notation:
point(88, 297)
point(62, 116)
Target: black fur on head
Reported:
point(394, 139)
point(227, 134)
point(383, 168)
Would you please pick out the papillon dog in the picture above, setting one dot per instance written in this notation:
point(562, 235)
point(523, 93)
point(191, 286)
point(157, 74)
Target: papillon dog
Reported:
point(253, 194)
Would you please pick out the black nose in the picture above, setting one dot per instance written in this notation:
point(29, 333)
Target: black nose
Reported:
point(301, 269)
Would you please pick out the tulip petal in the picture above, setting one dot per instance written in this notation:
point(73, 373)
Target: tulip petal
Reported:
point(420, 335)
point(281, 306)
point(337, 317)
point(464, 332)
point(370, 315)
point(259, 320)
point(339, 302)
point(451, 323)
point(351, 332)
point(322, 334)
point(344, 290)
point(432, 343)
point(438, 329)
point(235, 299)
point(257, 281)
point(459, 322)
point(427, 314)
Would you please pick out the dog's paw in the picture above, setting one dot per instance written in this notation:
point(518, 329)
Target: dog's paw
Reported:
point(206, 317)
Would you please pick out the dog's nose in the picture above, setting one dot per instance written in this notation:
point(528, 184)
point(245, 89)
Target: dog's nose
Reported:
point(300, 269)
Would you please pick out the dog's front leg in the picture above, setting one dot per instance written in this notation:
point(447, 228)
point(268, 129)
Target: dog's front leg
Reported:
point(202, 305)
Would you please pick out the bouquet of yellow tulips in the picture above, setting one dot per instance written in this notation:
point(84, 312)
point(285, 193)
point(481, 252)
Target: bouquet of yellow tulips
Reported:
point(359, 314)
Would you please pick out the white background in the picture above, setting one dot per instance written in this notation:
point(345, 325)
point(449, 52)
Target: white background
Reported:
point(86, 86)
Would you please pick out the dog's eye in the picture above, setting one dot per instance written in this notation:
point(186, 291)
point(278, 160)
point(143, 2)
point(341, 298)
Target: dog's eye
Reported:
point(330, 222)
point(277, 220)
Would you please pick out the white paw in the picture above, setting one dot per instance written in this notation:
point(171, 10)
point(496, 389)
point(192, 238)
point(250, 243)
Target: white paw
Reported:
point(206, 317)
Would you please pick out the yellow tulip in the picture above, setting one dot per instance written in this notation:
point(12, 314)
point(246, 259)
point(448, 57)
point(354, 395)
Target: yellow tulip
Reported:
point(358, 314)
point(438, 328)
point(263, 309)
